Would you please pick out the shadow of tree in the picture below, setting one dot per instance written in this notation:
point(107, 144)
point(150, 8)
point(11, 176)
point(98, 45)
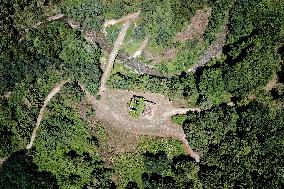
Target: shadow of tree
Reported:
point(18, 171)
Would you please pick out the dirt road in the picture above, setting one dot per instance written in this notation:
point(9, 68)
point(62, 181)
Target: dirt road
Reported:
point(52, 93)
point(113, 107)
point(126, 18)
point(141, 48)
point(112, 56)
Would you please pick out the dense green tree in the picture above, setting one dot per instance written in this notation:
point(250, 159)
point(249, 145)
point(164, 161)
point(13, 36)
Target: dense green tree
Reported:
point(89, 12)
point(183, 87)
point(213, 88)
point(247, 139)
point(63, 146)
point(255, 32)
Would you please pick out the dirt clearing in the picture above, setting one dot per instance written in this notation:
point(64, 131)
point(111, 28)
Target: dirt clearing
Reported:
point(114, 111)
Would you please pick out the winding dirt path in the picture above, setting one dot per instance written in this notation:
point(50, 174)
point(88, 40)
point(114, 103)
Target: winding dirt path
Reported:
point(52, 93)
point(49, 19)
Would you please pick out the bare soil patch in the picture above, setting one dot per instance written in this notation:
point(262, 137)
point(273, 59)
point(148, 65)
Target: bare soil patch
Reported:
point(126, 18)
point(197, 26)
point(272, 83)
point(2, 160)
point(121, 141)
point(167, 54)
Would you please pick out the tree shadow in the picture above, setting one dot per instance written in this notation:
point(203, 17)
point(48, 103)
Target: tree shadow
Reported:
point(19, 171)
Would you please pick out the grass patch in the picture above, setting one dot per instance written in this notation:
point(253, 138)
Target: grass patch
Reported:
point(179, 119)
point(155, 145)
point(112, 32)
point(131, 166)
point(120, 68)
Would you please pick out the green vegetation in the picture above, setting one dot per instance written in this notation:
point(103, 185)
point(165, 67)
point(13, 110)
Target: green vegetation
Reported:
point(175, 88)
point(156, 165)
point(136, 106)
point(248, 139)
point(238, 134)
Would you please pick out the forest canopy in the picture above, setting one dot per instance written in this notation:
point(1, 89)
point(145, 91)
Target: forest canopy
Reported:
point(238, 131)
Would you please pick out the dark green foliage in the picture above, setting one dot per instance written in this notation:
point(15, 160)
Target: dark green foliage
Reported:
point(101, 178)
point(19, 171)
point(162, 172)
point(152, 181)
point(118, 8)
point(157, 163)
point(206, 129)
point(253, 71)
point(255, 32)
point(175, 88)
point(132, 185)
point(212, 87)
point(89, 12)
point(49, 40)
point(247, 139)
point(14, 59)
point(30, 67)
point(219, 17)
point(80, 57)
point(63, 146)
point(21, 109)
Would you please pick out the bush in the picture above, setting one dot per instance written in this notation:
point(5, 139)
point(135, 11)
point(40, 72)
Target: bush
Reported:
point(136, 106)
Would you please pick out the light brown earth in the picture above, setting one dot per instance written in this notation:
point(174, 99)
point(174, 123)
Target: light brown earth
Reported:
point(112, 109)
point(129, 17)
point(197, 26)
point(272, 83)
point(141, 48)
point(2, 160)
point(112, 56)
